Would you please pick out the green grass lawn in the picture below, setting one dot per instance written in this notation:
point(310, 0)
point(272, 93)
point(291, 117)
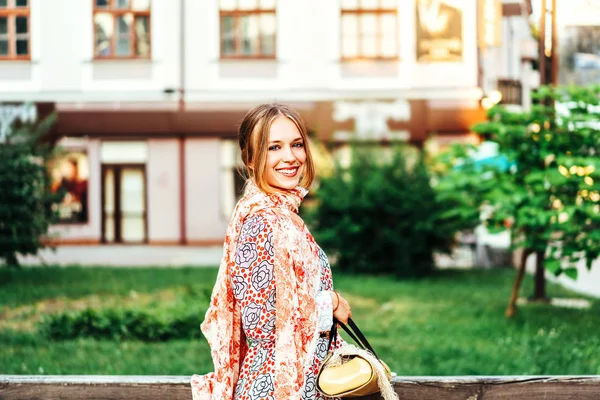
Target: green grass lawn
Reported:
point(450, 324)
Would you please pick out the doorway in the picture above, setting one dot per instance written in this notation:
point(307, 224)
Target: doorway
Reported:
point(124, 216)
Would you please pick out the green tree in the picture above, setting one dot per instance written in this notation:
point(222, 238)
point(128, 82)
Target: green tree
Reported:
point(547, 192)
point(379, 215)
point(25, 199)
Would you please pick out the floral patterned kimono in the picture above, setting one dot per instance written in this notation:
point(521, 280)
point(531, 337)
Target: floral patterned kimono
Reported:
point(270, 310)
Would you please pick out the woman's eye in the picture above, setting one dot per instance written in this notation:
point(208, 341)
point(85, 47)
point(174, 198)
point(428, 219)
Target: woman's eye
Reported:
point(299, 144)
point(274, 147)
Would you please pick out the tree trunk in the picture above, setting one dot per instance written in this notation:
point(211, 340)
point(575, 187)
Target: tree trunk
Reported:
point(511, 310)
point(11, 260)
point(539, 290)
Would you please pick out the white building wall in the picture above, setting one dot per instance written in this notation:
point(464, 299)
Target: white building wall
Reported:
point(62, 67)
point(308, 63)
point(162, 178)
point(201, 55)
point(410, 75)
point(205, 219)
point(60, 58)
point(514, 31)
point(134, 80)
point(307, 67)
point(504, 62)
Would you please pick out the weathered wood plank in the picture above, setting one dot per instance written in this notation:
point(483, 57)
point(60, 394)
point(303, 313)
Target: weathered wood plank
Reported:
point(94, 387)
point(499, 388)
point(408, 388)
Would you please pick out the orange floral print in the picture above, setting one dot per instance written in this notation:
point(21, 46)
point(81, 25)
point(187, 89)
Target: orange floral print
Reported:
point(263, 322)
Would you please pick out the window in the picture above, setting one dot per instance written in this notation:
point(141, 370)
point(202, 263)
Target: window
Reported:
point(14, 30)
point(121, 29)
point(369, 30)
point(248, 28)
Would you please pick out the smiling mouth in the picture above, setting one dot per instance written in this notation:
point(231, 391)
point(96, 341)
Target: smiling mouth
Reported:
point(289, 172)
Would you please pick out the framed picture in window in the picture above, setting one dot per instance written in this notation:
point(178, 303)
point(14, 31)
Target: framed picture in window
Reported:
point(439, 31)
point(69, 176)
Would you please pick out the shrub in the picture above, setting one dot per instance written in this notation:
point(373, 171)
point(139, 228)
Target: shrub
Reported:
point(380, 216)
point(120, 324)
point(25, 198)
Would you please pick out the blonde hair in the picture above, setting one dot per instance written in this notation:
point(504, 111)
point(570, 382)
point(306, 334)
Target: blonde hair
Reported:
point(254, 143)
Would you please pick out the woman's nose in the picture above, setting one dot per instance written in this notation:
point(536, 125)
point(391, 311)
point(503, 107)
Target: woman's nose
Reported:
point(288, 155)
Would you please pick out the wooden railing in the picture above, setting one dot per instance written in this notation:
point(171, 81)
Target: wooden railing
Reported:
point(408, 388)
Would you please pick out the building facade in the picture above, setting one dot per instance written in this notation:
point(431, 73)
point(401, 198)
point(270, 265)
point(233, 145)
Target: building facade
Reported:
point(149, 93)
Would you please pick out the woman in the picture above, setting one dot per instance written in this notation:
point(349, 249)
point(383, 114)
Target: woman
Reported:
point(273, 302)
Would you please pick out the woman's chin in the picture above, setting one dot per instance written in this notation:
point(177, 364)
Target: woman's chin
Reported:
point(286, 184)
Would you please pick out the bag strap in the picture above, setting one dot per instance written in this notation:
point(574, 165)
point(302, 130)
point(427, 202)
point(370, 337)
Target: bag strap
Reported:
point(359, 342)
point(358, 337)
point(332, 334)
point(365, 343)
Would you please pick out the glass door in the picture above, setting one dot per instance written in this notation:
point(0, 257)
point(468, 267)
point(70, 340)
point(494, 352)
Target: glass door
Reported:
point(109, 187)
point(133, 205)
point(124, 204)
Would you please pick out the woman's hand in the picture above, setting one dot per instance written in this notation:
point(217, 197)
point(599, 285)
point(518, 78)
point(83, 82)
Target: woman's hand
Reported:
point(342, 308)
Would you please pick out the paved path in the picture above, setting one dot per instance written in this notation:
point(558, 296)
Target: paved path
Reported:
point(129, 256)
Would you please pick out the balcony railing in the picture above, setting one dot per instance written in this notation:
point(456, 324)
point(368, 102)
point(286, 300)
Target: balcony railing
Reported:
point(512, 91)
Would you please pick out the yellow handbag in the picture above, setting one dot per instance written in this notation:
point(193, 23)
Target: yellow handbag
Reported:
point(352, 371)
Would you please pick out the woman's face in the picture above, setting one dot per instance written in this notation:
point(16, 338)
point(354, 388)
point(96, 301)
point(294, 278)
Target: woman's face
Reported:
point(286, 154)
